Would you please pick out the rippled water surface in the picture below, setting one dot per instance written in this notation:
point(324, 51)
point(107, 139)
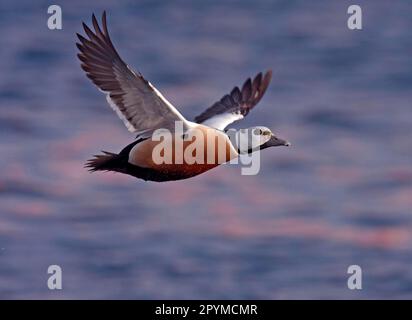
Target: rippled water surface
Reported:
point(341, 195)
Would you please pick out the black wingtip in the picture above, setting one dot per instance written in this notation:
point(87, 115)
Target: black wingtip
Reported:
point(80, 38)
point(96, 25)
point(94, 20)
point(86, 29)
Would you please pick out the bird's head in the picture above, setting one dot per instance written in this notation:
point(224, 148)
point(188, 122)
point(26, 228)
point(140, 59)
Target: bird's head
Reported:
point(257, 138)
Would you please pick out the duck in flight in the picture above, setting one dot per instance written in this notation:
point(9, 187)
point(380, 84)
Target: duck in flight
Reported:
point(145, 111)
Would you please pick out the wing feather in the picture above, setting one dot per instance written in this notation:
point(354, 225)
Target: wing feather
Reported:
point(136, 101)
point(237, 104)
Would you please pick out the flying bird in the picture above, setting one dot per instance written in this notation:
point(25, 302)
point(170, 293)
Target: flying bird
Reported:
point(147, 113)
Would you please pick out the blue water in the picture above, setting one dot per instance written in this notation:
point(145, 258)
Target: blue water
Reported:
point(342, 195)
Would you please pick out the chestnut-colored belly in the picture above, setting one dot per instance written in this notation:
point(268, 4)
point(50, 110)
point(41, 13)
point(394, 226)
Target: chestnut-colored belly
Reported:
point(202, 149)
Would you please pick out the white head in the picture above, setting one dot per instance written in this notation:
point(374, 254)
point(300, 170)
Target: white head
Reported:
point(257, 138)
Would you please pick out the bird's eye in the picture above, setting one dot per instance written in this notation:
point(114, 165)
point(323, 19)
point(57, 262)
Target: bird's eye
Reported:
point(257, 132)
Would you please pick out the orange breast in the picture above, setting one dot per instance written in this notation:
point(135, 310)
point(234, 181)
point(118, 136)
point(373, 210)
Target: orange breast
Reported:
point(202, 149)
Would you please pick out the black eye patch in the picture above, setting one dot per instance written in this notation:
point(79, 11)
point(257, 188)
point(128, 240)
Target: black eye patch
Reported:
point(257, 132)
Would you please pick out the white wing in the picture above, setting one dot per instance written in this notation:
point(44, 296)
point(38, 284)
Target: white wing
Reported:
point(221, 121)
point(237, 104)
point(136, 101)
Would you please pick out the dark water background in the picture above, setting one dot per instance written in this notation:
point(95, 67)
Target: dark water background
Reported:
point(341, 195)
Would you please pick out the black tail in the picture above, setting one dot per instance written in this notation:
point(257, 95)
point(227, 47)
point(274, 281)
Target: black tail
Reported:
point(104, 162)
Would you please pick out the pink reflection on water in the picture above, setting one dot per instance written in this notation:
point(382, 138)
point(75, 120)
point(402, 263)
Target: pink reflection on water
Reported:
point(35, 208)
point(338, 175)
point(384, 237)
point(401, 198)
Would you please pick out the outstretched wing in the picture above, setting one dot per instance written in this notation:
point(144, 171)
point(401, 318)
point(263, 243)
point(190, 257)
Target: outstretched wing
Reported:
point(237, 104)
point(136, 101)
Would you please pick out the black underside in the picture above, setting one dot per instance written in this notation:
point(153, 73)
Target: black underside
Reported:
point(151, 175)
